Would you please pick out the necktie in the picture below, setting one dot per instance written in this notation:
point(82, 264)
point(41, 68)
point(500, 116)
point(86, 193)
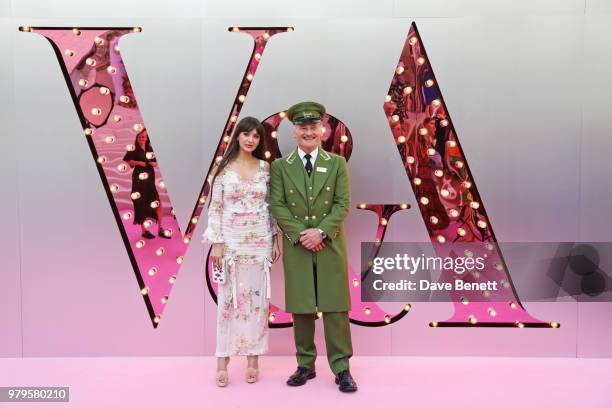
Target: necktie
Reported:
point(308, 164)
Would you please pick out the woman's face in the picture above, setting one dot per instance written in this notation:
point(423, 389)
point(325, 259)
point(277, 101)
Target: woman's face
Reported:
point(431, 127)
point(142, 138)
point(248, 141)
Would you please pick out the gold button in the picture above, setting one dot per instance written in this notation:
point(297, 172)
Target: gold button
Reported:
point(328, 188)
point(310, 187)
point(293, 204)
point(306, 217)
point(327, 202)
point(290, 191)
point(310, 198)
point(295, 216)
point(314, 217)
point(324, 214)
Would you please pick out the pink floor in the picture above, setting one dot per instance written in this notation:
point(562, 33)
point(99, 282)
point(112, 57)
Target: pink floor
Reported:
point(182, 382)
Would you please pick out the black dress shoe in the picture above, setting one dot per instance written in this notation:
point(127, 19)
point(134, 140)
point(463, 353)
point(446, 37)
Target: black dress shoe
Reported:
point(148, 235)
point(301, 375)
point(346, 382)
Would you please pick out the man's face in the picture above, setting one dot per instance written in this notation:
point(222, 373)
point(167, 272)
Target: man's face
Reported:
point(308, 135)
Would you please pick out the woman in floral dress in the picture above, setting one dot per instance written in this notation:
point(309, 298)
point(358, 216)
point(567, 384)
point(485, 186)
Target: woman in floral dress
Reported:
point(245, 244)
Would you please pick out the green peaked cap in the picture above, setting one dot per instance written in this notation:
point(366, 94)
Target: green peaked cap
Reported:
point(305, 112)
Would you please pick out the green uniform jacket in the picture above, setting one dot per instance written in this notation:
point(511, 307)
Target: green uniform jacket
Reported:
point(299, 202)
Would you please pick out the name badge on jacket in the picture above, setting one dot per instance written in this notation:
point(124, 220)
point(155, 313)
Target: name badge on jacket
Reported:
point(322, 169)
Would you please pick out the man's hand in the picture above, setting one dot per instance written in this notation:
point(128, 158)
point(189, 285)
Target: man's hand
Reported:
point(319, 247)
point(311, 239)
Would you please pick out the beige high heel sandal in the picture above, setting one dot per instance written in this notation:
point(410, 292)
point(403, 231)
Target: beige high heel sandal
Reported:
point(222, 377)
point(252, 374)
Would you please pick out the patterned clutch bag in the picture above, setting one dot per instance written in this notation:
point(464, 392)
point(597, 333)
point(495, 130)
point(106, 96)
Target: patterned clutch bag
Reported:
point(218, 275)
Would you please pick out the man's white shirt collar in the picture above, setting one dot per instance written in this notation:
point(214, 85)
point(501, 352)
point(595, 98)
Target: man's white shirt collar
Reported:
point(313, 155)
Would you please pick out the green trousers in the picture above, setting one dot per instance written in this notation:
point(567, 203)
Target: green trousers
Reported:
point(337, 339)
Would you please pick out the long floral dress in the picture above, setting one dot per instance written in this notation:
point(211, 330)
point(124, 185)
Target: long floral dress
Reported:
point(239, 218)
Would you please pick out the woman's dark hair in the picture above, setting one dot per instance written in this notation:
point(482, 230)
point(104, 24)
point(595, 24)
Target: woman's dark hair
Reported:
point(244, 125)
point(148, 147)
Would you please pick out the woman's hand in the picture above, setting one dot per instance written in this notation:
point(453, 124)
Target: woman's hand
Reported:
point(217, 255)
point(275, 251)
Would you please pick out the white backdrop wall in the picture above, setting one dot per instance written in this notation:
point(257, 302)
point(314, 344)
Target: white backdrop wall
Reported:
point(526, 83)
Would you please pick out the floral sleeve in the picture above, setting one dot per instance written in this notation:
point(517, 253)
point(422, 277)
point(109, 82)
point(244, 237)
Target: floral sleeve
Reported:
point(215, 211)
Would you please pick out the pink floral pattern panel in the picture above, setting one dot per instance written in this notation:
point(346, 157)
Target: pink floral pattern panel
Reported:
point(449, 202)
point(113, 127)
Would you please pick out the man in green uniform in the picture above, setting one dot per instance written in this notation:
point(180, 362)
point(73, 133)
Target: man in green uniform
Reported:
point(310, 195)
